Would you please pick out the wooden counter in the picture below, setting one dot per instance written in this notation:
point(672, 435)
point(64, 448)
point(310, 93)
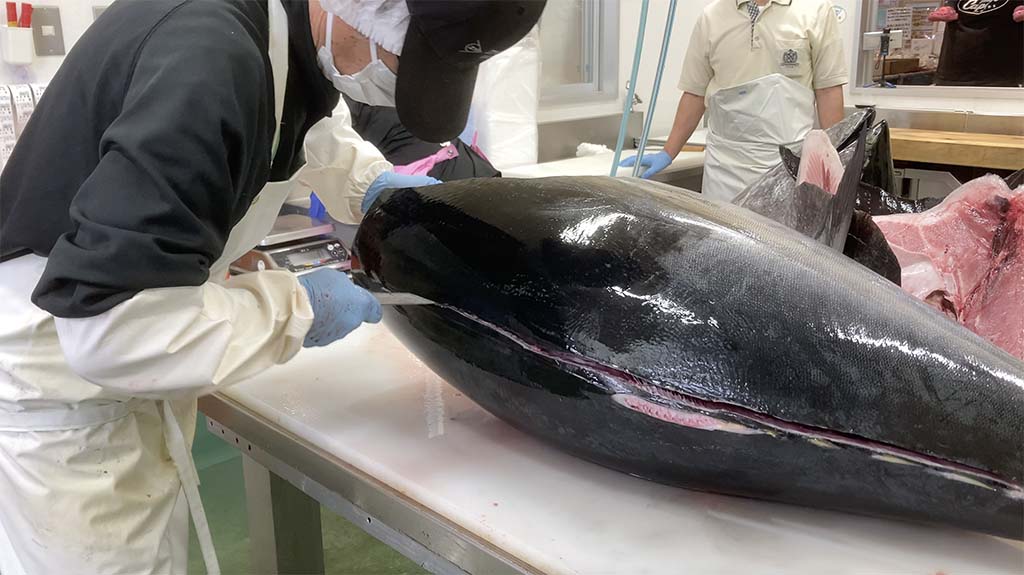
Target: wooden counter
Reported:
point(958, 148)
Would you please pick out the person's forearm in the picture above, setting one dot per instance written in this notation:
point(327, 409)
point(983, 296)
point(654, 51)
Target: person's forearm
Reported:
point(830, 106)
point(688, 114)
point(189, 340)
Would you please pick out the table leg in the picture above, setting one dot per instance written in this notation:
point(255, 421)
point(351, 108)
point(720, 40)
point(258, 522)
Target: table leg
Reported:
point(285, 535)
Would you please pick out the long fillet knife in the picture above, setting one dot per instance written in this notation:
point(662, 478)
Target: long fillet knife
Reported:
point(384, 296)
point(398, 298)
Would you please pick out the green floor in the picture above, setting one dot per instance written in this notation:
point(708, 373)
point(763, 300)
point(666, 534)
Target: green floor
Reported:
point(347, 549)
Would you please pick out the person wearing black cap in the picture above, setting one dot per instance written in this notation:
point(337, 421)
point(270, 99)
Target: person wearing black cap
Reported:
point(161, 151)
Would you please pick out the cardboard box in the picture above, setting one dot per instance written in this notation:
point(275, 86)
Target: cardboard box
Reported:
point(895, 66)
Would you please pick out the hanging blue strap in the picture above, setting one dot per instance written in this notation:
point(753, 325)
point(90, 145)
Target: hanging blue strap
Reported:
point(657, 86)
point(631, 89)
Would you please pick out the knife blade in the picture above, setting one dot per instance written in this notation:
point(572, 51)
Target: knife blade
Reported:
point(398, 298)
point(383, 295)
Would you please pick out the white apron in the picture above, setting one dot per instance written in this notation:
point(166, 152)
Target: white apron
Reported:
point(746, 125)
point(143, 491)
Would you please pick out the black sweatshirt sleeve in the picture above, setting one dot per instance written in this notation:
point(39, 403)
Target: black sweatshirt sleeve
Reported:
point(179, 165)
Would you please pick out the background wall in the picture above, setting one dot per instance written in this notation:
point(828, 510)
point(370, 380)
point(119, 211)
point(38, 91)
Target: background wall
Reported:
point(629, 20)
point(75, 17)
point(945, 99)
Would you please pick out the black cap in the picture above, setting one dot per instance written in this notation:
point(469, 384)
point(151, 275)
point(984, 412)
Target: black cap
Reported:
point(445, 43)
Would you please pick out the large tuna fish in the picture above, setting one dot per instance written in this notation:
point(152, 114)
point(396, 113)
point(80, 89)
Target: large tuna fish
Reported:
point(698, 344)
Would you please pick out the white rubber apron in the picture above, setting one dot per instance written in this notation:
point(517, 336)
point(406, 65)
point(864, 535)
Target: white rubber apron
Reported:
point(252, 228)
point(746, 125)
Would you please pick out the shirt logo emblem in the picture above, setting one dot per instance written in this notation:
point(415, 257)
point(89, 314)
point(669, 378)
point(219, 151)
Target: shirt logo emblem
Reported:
point(981, 6)
point(473, 48)
point(790, 58)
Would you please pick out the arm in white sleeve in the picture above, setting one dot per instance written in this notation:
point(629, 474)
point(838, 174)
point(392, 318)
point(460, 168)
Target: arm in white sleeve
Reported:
point(179, 341)
point(340, 165)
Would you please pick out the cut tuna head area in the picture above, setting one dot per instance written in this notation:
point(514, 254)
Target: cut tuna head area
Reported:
point(963, 258)
point(994, 308)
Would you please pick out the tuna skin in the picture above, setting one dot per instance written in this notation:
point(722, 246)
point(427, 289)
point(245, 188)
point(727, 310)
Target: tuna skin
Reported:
point(632, 288)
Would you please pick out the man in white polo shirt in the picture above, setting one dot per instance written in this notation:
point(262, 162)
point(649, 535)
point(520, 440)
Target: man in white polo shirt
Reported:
point(759, 68)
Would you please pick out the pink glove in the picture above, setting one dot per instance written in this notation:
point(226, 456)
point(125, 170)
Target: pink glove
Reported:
point(943, 14)
point(1018, 14)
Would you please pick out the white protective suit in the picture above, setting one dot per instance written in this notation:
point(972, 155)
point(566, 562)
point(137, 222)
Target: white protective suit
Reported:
point(746, 126)
point(96, 414)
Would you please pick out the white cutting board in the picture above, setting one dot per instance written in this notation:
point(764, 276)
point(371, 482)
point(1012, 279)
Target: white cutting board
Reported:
point(597, 165)
point(369, 402)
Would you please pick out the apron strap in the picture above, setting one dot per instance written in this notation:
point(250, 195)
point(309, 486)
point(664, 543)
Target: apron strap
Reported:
point(81, 415)
point(189, 478)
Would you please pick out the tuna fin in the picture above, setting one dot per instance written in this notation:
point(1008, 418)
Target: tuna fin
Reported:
point(820, 164)
point(790, 160)
point(845, 199)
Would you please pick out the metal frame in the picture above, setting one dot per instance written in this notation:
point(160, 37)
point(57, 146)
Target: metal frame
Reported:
point(285, 475)
point(910, 180)
point(600, 53)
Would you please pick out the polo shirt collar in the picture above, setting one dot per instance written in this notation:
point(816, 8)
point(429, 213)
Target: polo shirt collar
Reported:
point(740, 3)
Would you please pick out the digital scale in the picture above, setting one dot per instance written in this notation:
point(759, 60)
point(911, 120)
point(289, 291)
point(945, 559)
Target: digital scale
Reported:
point(296, 243)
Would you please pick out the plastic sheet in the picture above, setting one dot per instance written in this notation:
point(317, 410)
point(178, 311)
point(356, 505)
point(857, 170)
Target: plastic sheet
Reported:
point(504, 110)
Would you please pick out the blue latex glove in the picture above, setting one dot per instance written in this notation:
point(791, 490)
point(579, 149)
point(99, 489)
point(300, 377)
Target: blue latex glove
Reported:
point(339, 306)
point(389, 180)
point(317, 211)
point(655, 163)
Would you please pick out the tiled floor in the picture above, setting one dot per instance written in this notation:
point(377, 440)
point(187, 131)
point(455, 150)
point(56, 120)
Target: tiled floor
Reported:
point(347, 549)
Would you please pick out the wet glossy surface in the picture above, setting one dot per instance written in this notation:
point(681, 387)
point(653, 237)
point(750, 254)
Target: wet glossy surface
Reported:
point(700, 300)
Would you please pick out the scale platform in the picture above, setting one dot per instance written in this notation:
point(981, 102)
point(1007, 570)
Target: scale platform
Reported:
point(297, 243)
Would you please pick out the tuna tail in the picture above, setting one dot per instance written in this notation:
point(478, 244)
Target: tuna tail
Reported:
point(790, 161)
point(820, 164)
point(1015, 180)
point(849, 128)
point(842, 205)
point(866, 245)
point(878, 168)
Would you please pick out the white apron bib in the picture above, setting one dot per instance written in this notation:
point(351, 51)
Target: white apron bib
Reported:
point(175, 415)
point(746, 125)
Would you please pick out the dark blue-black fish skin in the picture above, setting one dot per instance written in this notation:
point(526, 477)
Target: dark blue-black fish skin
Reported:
point(708, 301)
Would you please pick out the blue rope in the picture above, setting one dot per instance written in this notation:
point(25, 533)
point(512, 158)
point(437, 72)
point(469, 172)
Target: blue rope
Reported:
point(657, 86)
point(631, 90)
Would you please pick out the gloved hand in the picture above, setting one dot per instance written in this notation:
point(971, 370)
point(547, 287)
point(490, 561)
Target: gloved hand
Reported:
point(339, 306)
point(943, 14)
point(317, 211)
point(389, 180)
point(655, 163)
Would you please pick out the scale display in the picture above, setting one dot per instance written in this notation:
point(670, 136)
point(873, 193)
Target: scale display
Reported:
point(310, 258)
point(298, 257)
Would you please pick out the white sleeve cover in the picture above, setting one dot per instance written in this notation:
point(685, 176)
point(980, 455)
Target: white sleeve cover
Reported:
point(176, 341)
point(340, 165)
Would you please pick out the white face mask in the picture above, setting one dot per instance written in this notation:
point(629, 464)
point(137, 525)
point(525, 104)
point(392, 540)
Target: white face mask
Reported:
point(373, 85)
